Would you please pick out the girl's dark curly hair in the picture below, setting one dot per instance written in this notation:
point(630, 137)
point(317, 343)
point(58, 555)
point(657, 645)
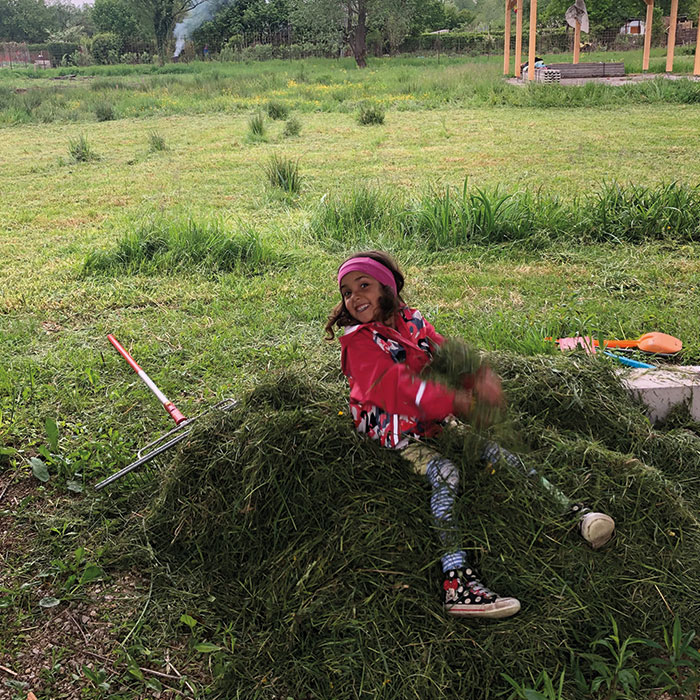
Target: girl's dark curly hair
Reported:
point(389, 303)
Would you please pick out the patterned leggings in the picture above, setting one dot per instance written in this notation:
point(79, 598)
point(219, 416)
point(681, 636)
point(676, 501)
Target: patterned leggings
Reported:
point(443, 477)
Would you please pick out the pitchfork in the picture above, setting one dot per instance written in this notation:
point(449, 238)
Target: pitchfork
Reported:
point(182, 428)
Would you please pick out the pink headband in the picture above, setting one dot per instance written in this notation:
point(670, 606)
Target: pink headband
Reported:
point(375, 269)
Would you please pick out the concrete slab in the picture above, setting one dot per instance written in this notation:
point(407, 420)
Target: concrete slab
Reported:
point(621, 80)
point(663, 389)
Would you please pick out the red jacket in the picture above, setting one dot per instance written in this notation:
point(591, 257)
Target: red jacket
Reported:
point(388, 399)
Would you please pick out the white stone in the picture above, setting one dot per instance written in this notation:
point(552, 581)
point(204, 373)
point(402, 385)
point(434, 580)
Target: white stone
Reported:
point(663, 389)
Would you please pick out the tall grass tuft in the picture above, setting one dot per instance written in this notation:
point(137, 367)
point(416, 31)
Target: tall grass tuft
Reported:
point(369, 114)
point(159, 245)
point(276, 109)
point(292, 127)
point(452, 217)
point(364, 215)
point(637, 213)
point(81, 151)
point(284, 173)
point(448, 218)
point(104, 111)
point(156, 142)
point(256, 127)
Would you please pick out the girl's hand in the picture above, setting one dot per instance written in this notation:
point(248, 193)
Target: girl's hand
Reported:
point(487, 387)
point(463, 403)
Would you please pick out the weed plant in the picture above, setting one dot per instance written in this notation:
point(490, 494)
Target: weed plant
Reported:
point(156, 142)
point(279, 520)
point(81, 151)
point(370, 114)
point(160, 245)
point(276, 109)
point(283, 173)
point(292, 127)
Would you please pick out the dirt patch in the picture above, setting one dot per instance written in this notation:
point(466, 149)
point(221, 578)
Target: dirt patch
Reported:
point(51, 646)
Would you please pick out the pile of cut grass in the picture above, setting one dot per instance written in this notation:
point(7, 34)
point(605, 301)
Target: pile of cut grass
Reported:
point(316, 548)
point(162, 245)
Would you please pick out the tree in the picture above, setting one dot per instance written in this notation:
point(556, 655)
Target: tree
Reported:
point(24, 20)
point(162, 16)
point(351, 19)
point(117, 17)
point(611, 13)
point(429, 16)
point(261, 18)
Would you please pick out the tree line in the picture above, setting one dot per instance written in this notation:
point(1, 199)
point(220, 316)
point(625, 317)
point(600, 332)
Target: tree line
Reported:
point(334, 26)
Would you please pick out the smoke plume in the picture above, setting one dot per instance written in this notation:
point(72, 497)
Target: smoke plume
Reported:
point(194, 18)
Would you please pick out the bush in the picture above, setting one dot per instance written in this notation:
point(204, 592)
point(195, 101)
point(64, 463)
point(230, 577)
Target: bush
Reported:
point(370, 114)
point(80, 150)
point(292, 127)
point(284, 173)
point(81, 57)
point(104, 111)
point(133, 57)
point(106, 48)
point(259, 52)
point(276, 109)
point(60, 49)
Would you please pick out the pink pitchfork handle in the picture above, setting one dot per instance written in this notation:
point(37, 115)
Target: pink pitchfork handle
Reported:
point(169, 406)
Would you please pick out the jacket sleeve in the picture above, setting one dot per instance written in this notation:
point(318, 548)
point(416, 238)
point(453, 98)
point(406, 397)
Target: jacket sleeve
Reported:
point(393, 386)
point(432, 333)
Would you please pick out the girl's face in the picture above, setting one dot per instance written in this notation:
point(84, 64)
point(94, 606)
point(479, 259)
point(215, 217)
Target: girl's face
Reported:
point(361, 294)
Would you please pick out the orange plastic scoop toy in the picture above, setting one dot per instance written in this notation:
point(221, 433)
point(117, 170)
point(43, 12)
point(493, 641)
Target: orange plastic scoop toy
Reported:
point(650, 342)
point(656, 343)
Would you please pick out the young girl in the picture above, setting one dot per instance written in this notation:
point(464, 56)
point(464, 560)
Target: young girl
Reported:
point(385, 345)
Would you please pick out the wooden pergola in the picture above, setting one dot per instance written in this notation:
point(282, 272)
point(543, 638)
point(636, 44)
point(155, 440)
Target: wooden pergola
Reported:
point(517, 5)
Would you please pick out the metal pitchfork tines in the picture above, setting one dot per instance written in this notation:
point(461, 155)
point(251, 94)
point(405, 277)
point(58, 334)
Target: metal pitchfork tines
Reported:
point(182, 428)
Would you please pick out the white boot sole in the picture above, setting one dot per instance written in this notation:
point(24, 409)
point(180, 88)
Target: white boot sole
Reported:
point(597, 529)
point(503, 607)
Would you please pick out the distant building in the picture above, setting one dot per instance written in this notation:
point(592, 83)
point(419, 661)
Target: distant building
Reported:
point(633, 26)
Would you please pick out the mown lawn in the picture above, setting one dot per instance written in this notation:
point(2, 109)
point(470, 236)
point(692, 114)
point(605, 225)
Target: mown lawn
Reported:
point(203, 334)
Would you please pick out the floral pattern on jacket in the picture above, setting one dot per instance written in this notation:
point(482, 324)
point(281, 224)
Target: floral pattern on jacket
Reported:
point(389, 401)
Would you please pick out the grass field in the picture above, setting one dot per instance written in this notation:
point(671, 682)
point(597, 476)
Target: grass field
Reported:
point(162, 227)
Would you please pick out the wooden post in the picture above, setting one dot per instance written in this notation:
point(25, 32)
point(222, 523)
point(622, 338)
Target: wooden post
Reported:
point(506, 41)
point(671, 46)
point(518, 38)
point(533, 40)
point(647, 34)
point(577, 41)
point(696, 67)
